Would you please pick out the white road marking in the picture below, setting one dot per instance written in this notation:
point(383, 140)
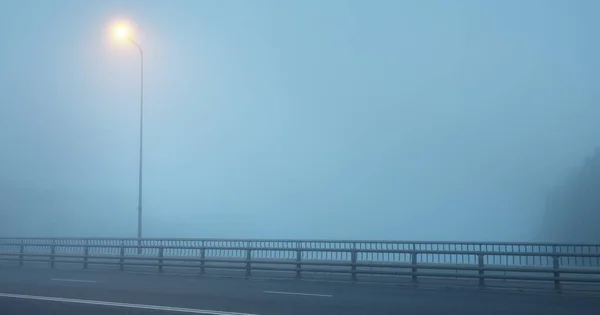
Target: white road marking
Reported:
point(141, 272)
point(74, 280)
point(296, 293)
point(123, 305)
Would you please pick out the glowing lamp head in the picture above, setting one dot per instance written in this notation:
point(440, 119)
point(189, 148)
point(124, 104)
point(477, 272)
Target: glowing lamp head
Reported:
point(122, 32)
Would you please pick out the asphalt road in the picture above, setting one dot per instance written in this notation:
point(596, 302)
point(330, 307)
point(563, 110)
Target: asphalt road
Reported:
point(68, 292)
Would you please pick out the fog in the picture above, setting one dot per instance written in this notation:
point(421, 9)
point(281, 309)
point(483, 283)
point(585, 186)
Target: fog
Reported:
point(412, 120)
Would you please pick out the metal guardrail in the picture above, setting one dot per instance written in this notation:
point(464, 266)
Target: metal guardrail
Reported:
point(336, 250)
point(557, 263)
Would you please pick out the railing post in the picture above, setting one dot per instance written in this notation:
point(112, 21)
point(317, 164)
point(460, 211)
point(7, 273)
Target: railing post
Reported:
point(21, 252)
point(298, 259)
point(353, 258)
point(86, 253)
point(52, 253)
point(122, 259)
point(555, 267)
point(203, 258)
point(248, 259)
point(160, 259)
point(481, 271)
point(413, 256)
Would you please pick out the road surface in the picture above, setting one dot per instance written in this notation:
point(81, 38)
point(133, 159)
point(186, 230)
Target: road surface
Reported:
point(70, 292)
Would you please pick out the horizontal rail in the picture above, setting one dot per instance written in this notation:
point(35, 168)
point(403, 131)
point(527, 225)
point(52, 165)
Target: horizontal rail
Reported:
point(308, 263)
point(335, 250)
point(381, 272)
point(330, 241)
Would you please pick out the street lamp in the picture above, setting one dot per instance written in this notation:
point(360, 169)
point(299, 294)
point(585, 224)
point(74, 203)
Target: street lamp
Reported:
point(124, 32)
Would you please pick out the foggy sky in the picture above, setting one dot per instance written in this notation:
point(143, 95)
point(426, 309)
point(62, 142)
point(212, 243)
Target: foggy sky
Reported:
point(414, 120)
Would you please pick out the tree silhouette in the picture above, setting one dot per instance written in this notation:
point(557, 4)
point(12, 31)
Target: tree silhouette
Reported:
point(573, 208)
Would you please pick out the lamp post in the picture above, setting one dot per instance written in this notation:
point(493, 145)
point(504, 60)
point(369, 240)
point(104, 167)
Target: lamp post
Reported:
point(123, 32)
